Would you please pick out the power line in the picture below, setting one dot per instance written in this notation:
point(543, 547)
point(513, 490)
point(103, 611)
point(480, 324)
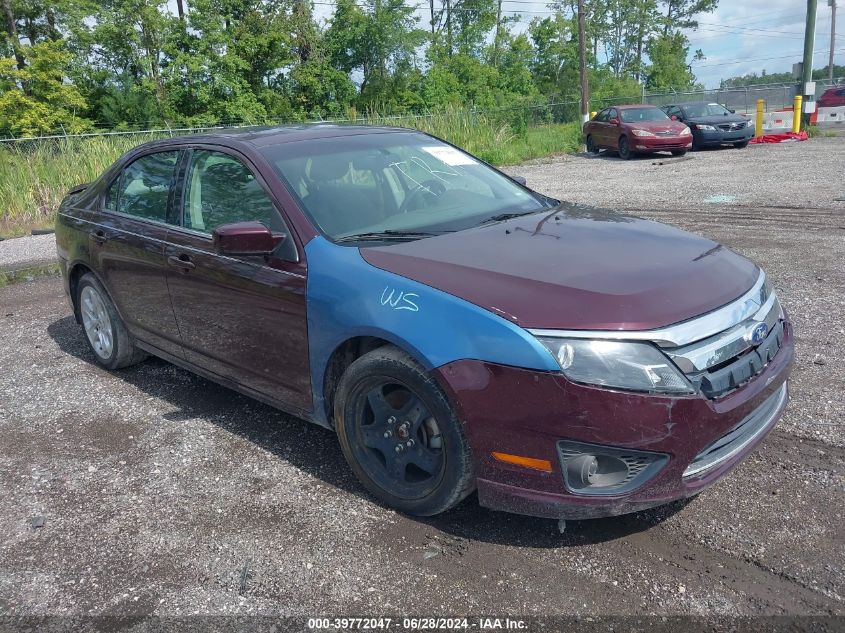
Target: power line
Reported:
point(746, 34)
point(762, 59)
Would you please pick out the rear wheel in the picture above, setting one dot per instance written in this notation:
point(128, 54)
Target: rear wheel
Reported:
point(400, 435)
point(105, 331)
point(624, 148)
point(592, 148)
point(741, 145)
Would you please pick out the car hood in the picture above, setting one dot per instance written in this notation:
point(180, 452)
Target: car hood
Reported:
point(576, 268)
point(717, 119)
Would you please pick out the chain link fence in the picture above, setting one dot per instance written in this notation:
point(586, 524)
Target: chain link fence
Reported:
point(742, 99)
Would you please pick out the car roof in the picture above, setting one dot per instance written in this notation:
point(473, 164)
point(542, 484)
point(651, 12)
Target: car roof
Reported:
point(274, 135)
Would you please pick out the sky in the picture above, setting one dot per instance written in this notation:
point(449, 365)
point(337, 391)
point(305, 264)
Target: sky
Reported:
point(754, 35)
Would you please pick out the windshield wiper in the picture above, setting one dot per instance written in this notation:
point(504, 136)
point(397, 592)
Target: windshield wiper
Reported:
point(388, 234)
point(505, 216)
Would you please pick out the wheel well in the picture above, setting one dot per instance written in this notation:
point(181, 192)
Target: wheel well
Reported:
point(74, 275)
point(346, 353)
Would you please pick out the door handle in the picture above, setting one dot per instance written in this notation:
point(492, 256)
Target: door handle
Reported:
point(99, 236)
point(183, 261)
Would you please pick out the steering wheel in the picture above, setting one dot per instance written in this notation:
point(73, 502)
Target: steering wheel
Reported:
point(429, 189)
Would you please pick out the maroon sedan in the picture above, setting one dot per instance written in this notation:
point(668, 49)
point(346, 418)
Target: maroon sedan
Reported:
point(636, 129)
point(457, 330)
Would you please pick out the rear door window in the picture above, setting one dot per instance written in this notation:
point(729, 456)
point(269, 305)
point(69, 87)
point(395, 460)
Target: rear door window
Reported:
point(143, 188)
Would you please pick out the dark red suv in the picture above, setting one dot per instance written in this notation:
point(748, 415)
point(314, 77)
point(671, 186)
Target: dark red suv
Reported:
point(456, 329)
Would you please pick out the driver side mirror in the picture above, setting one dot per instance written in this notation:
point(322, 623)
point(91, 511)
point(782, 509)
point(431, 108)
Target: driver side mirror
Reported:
point(731, 111)
point(521, 180)
point(613, 121)
point(674, 117)
point(245, 238)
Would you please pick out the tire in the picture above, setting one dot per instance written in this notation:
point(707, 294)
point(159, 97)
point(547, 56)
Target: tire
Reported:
point(696, 144)
point(741, 145)
point(625, 152)
point(384, 400)
point(592, 148)
point(104, 330)
point(679, 152)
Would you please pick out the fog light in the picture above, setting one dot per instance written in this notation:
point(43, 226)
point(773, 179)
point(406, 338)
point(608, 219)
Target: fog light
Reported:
point(590, 469)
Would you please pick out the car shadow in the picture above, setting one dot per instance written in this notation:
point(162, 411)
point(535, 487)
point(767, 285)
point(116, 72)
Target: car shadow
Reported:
point(315, 450)
point(611, 155)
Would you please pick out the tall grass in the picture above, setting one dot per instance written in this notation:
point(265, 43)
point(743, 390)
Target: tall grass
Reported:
point(35, 175)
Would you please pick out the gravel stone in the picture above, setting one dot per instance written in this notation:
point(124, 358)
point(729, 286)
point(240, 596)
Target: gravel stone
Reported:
point(24, 252)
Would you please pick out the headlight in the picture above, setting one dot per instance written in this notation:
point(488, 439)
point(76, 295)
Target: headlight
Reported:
point(702, 126)
point(626, 365)
point(636, 132)
point(686, 132)
point(749, 123)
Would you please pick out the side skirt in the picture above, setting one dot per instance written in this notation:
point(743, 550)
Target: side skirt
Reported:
point(230, 384)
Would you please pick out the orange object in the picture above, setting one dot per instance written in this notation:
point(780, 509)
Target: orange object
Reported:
point(526, 462)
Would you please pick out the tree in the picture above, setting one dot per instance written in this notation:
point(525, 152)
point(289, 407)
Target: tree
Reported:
point(49, 103)
point(669, 69)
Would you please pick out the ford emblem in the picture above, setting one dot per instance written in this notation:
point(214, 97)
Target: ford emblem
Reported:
point(757, 334)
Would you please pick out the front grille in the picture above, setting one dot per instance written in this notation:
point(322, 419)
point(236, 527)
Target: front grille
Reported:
point(735, 440)
point(725, 378)
point(727, 127)
point(723, 362)
point(665, 133)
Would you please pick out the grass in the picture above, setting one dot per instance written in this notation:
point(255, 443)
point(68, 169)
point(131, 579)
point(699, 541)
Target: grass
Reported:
point(35, 175)
point(8, 277)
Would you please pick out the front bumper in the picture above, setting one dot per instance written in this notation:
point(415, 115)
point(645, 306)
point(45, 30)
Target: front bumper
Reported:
point(648, 144)
point(722, 137)
point(524, 412)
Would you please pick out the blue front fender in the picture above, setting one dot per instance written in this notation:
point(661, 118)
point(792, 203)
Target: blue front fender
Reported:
point(348, 298)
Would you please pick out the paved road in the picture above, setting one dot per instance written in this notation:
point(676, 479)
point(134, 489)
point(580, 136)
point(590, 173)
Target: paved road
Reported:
point(161, 493)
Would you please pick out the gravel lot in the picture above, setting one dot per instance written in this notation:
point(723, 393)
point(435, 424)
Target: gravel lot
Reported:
point(24, 252)
point(159, 493)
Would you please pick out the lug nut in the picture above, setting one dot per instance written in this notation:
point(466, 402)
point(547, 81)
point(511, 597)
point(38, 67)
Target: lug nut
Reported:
point(388, 433)
point(391, 420)
point(409, 443)
point(399, 448)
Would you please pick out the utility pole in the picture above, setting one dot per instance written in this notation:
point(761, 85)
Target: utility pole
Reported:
point(449, 25)
point(832, 5)
point(809, 42)
point(498, 34)
point(582, 54)
point(431, 9)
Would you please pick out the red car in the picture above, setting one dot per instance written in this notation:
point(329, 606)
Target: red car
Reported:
point(636, 129)
point(832, 97)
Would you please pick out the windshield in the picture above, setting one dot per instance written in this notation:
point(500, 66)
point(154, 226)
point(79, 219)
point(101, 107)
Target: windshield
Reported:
point(388, 183)
point(635, 115)
point(705, 109)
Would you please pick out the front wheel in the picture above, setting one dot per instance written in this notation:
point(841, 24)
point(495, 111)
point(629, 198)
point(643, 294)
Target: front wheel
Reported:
point(105, 331)
point(400, 435)
point(625, 152)
point(741, 145)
